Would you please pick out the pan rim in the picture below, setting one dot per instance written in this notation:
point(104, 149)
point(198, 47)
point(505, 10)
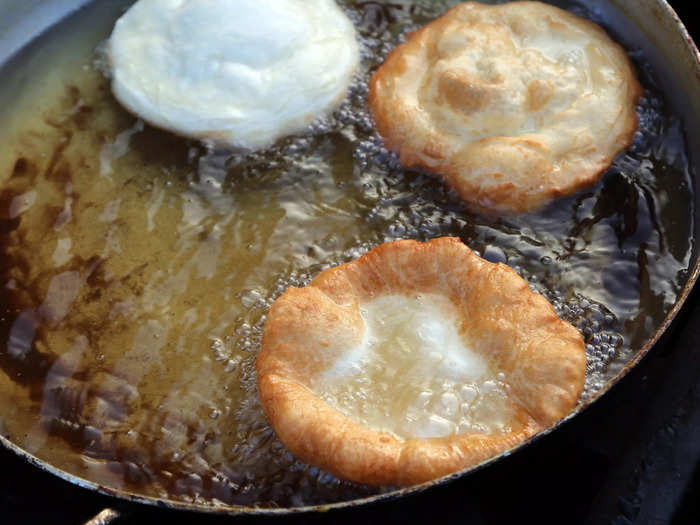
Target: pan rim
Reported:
point(236, 510)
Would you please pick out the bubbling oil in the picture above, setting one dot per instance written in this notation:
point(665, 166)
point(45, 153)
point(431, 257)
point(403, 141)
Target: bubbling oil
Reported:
point(138, 266)
point(414, 376)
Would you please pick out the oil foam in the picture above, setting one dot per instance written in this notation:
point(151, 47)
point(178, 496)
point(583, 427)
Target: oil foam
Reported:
point(414, 374)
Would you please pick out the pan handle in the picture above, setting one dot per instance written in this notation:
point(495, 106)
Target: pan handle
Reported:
point(105, 517)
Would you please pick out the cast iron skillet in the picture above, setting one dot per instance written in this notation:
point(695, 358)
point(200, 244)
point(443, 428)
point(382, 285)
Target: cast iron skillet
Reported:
point(677, 63)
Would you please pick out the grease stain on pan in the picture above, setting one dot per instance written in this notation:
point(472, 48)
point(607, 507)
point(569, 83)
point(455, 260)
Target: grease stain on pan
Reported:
point(117, 372)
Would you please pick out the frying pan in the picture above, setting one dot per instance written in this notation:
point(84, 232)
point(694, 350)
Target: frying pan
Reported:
point(651, 24)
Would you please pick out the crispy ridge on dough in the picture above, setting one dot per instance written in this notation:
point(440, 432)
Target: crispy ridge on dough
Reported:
point(516, 330)
point(514, 104)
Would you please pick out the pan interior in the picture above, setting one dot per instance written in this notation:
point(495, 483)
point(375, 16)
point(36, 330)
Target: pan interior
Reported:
point(137, 266)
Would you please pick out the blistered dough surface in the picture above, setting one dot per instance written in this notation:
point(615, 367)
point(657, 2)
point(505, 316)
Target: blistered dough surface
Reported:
point(494, 327)
point(237, 72)
point(513, 104)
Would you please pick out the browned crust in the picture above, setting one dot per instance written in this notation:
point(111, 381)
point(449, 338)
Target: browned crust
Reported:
point(419, 148)
point(542, 357)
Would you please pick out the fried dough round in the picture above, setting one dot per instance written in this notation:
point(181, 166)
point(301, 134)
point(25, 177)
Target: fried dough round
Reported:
point(513, 104)
point(241, 73)
point(309, 330)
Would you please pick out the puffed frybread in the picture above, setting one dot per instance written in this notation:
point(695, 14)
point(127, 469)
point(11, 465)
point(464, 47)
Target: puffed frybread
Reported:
point(514, 104)
point(517, 331)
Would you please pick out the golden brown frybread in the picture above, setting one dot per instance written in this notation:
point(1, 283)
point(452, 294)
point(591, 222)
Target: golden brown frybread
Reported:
point(513, 104)
point(515, 330)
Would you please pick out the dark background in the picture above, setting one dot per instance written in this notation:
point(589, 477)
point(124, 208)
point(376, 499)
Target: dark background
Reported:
point(634, 457)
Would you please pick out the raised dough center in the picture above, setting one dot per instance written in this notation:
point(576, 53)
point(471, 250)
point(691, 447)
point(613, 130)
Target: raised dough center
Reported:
point(489, 82)
point(414, 375)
